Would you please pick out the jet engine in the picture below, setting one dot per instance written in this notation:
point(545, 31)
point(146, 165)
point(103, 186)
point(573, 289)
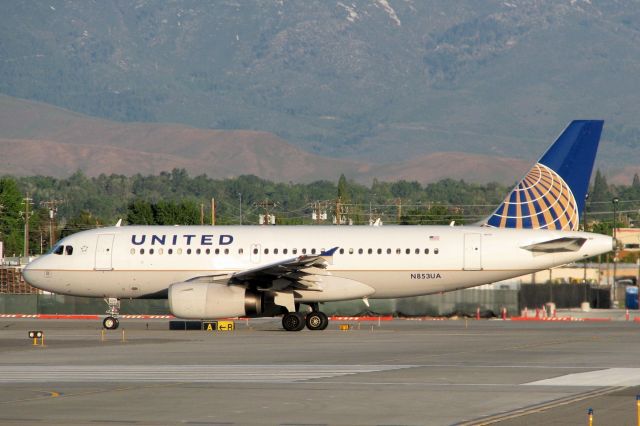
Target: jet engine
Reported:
point(209, 300)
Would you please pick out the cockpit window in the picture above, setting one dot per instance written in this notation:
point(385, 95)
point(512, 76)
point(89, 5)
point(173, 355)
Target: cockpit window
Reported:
point(68, 250)
point(58, 250)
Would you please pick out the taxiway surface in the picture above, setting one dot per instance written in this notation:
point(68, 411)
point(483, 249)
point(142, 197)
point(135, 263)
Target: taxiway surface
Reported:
point(398, 373)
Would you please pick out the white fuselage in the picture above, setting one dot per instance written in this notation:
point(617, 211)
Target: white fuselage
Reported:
point(394, 261)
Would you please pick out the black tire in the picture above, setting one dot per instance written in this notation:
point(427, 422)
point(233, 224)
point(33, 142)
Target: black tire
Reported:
point(110, 323)
point(317, 321)
point(325, 322)
point(293, 321)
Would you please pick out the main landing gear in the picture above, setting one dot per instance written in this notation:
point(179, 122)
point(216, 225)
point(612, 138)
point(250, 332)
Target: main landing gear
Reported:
point(314, 320)
point(111, 321)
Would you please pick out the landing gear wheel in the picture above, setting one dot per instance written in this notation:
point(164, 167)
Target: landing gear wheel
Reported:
point(293, 321)
point(317, 321)
point(110, 323)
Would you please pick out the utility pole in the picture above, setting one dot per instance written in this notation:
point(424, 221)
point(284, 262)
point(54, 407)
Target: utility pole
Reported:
point(52, 207)
point(266, 205)
point(26, 215)
point(318, 212)
point(213, 211)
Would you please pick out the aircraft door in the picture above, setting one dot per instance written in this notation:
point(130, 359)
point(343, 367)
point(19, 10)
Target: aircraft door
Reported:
point(255, 253)
point(104, 249)
point(472, 252)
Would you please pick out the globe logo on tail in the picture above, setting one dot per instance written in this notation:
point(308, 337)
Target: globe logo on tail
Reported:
point(542, 200)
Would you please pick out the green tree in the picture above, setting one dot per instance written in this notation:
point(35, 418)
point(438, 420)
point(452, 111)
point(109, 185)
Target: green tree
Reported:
point(600, 192)
point(343, 190)
point(11, 223)
point(83, 221)
point(140, 212)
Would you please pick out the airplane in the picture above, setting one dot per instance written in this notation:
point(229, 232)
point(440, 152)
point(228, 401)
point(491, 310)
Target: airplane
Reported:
point(212, 272)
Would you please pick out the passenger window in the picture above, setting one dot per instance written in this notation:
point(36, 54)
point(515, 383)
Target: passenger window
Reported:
point(370, 251)
point(304, 251)
point(217, 251)
point(59, 250)
point(417, 251)
point(255, 251)
point(426, 251)
point(275, 251)
point(188, 251)
point(160, 251)
point(379, 251)
point(313, 251)
point(69, 250)
point(226, 251)
point(408, 251)
point(207, 251)
point(240, 251)
point(198, 251)
point(133, 251)
point(398, 251)
point(266, 251)
point(350, 251)
point(388, 251)
point(170, 251)
point(179, 251)
point(285, 251)
point(360, 251)
point(294, 251)
point(436, 251)
point(150, 251)
point(341, 251)
point(141, 251)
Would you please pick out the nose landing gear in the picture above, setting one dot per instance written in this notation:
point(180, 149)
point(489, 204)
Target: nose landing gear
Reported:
point(111, 321)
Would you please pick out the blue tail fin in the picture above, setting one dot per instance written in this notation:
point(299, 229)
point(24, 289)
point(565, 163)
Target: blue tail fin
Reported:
point(552, 194)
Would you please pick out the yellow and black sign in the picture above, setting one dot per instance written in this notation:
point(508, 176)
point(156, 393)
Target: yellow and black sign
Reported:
point(218, 325)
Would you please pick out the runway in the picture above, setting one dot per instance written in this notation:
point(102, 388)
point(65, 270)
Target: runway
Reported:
point(395, 373)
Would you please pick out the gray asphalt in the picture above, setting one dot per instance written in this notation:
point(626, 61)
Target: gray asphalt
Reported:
point(399, 373)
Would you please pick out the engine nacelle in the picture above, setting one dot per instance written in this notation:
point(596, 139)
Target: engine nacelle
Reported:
point(210, 301)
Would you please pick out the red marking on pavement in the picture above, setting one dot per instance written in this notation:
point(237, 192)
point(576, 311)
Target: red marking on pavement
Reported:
point(368, 318)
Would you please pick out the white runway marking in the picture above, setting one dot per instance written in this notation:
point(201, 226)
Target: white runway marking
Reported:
point(182, 373)
point(606, 377)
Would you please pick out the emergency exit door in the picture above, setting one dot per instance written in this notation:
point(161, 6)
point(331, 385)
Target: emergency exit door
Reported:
point(472, 252)
point(104, 250)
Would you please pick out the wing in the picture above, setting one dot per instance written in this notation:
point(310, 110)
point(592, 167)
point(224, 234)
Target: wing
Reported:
point(302, 272)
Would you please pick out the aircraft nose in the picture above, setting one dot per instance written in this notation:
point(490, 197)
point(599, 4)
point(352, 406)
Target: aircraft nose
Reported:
point(31, 275)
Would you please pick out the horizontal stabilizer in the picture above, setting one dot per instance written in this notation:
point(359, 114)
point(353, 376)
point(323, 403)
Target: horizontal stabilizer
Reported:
point(557, 245)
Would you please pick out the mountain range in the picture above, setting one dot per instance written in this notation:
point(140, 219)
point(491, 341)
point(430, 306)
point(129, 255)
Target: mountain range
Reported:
point(39, 139)
point(374, 88)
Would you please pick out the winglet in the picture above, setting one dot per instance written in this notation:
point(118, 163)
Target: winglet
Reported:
point(329, 253)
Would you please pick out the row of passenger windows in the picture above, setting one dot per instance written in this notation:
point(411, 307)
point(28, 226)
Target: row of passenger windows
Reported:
point(285, 251)
point(179, 251)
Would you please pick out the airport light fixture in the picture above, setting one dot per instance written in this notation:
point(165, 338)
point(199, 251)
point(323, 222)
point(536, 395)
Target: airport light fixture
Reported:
point(615, 202)
point(585, 228)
